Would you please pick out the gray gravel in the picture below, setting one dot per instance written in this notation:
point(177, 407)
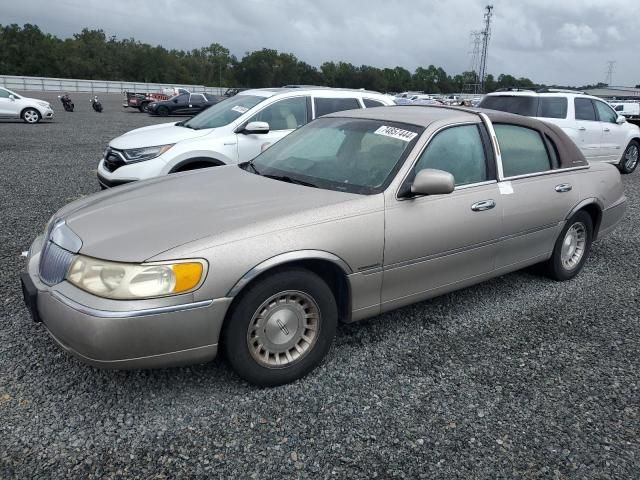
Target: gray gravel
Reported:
point(520, 377)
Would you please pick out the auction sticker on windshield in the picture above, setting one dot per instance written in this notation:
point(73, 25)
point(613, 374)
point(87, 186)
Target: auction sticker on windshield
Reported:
point(240, 109)
point(397, 133)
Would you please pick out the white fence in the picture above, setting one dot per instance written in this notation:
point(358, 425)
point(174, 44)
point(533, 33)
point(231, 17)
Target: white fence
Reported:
point(46, 84)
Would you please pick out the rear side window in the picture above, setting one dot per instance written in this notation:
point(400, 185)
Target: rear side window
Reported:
point(552, 107)
point(372, 103)
point(584, 109)
point(325, 106)
point(520, 104)
point(523, 150)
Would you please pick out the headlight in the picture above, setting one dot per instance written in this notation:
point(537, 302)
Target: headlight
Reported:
point(43, 104)
point(127, 281)
point(146, 153)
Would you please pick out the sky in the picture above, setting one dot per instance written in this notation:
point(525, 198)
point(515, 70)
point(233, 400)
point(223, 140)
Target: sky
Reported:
point(564, 42)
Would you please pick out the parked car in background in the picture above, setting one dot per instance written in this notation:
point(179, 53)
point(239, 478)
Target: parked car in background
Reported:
point(183, 104)
point(141, 101)
point(630, 110)
point(599, 132)
point(30, 110)
point(353, 215)
point(234, 130)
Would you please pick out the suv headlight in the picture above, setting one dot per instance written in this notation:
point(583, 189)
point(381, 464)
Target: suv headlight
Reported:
point(127, 281)
point(44, 104)
point(145, 153)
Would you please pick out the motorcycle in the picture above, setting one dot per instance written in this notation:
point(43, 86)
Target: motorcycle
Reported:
point(66, 102)
point(95, 103)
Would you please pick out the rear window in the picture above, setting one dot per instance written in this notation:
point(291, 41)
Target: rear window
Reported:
point(521, 105)
point(552, 107)
point(325, 106)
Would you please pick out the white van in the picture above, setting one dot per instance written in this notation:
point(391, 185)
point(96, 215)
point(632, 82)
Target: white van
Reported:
point(232, 131)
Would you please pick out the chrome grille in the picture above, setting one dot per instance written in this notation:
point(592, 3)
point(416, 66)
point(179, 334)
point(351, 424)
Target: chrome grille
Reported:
point(54, 263)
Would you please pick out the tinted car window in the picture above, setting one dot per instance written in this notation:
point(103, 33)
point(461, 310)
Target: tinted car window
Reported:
point(196, 98)
point(584, 109)
point(522, 105)
point(225, 112)
point(287, 114)
point(619, 108)
point(459, 151)
point(325, 106)
point(372, 103)
point(605, 113)
point(552, 107)
point(522, 149)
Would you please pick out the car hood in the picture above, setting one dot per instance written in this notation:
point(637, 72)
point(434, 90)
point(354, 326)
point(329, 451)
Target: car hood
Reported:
point(34, 100)
point(162, 134)
point(136, 222)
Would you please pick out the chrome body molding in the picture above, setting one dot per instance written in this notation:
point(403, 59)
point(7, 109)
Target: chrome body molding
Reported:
point(94, 312)
point(287, 258)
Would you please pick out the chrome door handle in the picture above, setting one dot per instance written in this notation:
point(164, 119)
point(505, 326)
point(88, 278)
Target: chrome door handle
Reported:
point(483, 205)
point(563, 187)
point(607, 130)
point(582, 129)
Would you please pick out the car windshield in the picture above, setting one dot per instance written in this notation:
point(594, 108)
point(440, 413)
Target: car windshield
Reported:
point(520, 104)
point(346, 154)
point(225, 112)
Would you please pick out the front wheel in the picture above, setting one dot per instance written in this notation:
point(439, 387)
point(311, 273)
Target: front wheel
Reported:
point(281, 328)
point(571, 249)
point(31, 115)
point(629, 160)
point(163, 111)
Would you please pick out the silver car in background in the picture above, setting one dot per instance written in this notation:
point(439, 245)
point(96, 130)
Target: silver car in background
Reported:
point(355, 214)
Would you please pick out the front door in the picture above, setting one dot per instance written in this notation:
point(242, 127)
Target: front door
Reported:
point(439, 241)
point(589, 129)
point(7, 105)
point(283, 117)
point(613, 135)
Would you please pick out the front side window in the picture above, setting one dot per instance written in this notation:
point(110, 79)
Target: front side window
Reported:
point(605, 112)
point(196, 98)
point(325, 106)
point(287, 114)
point(523, 150)
point(4, 93)
point(584, 109)
point(459, 151)
point(224, 113)
point(344, 154)
point(552, 107)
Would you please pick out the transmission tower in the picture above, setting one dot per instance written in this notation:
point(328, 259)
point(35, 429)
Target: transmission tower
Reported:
point(472, 84)
point(611, 66)
point(486, 34)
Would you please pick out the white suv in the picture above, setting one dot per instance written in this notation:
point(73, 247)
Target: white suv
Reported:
point(31, 110)
point(234, 130)
point(600, 133)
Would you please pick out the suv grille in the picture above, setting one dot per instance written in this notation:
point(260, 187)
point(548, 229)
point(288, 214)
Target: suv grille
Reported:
point(113, 160)
point(54, 263)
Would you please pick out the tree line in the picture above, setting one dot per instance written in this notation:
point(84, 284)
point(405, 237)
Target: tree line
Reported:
point(90, 54)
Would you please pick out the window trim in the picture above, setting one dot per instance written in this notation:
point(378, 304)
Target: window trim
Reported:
point(426, 145)
point(595, 112)
point(546, 149)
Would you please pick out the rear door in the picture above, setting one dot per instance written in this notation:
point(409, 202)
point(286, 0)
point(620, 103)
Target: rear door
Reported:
point(535, 198)
point(614, 136)
point(196, 103)
point(589, 129)
point(283, 117)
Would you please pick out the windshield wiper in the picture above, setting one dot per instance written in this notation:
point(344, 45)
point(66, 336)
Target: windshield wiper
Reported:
point(285, 178)
point(250, 165)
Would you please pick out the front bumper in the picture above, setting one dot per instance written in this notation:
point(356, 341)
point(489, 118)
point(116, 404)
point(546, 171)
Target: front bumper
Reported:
point(127, 334)
point(47, 113)
point(129, 173)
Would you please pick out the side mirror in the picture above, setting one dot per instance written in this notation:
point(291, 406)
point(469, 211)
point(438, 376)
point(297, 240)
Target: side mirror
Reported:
point(12, 97)
point(620, 120)
point(256, 128)
point(430, 181)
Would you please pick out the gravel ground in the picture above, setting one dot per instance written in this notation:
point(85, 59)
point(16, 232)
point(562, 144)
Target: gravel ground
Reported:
point(520, 377)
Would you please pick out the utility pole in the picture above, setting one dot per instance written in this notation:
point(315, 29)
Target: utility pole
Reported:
point(611, 65)
point(473, 84)
point(486, 34)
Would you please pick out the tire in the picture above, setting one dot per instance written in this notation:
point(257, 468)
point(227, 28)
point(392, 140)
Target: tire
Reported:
point(630, 157)
point(141, 109)
point(571, 249)
point(289, 318)
point(162, 111)
point(31, 115)
point(144, 108)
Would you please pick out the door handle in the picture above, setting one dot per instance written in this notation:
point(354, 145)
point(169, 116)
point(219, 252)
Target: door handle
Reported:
point(582, 129)
point(563, 187)
point(483, 205)
point(606, 130)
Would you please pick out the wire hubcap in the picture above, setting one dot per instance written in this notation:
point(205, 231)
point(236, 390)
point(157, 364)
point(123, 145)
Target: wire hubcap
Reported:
point(573, 246)
point(283, 329)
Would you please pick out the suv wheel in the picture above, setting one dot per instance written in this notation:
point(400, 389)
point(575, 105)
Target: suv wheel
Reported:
point(282, 327)
point(629, 160)
point(31, 115)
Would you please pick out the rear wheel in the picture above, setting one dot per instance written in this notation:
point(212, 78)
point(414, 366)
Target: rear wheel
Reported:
point(281, 328)
point(629, 160)
point(31, 115)
point(571, 249)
